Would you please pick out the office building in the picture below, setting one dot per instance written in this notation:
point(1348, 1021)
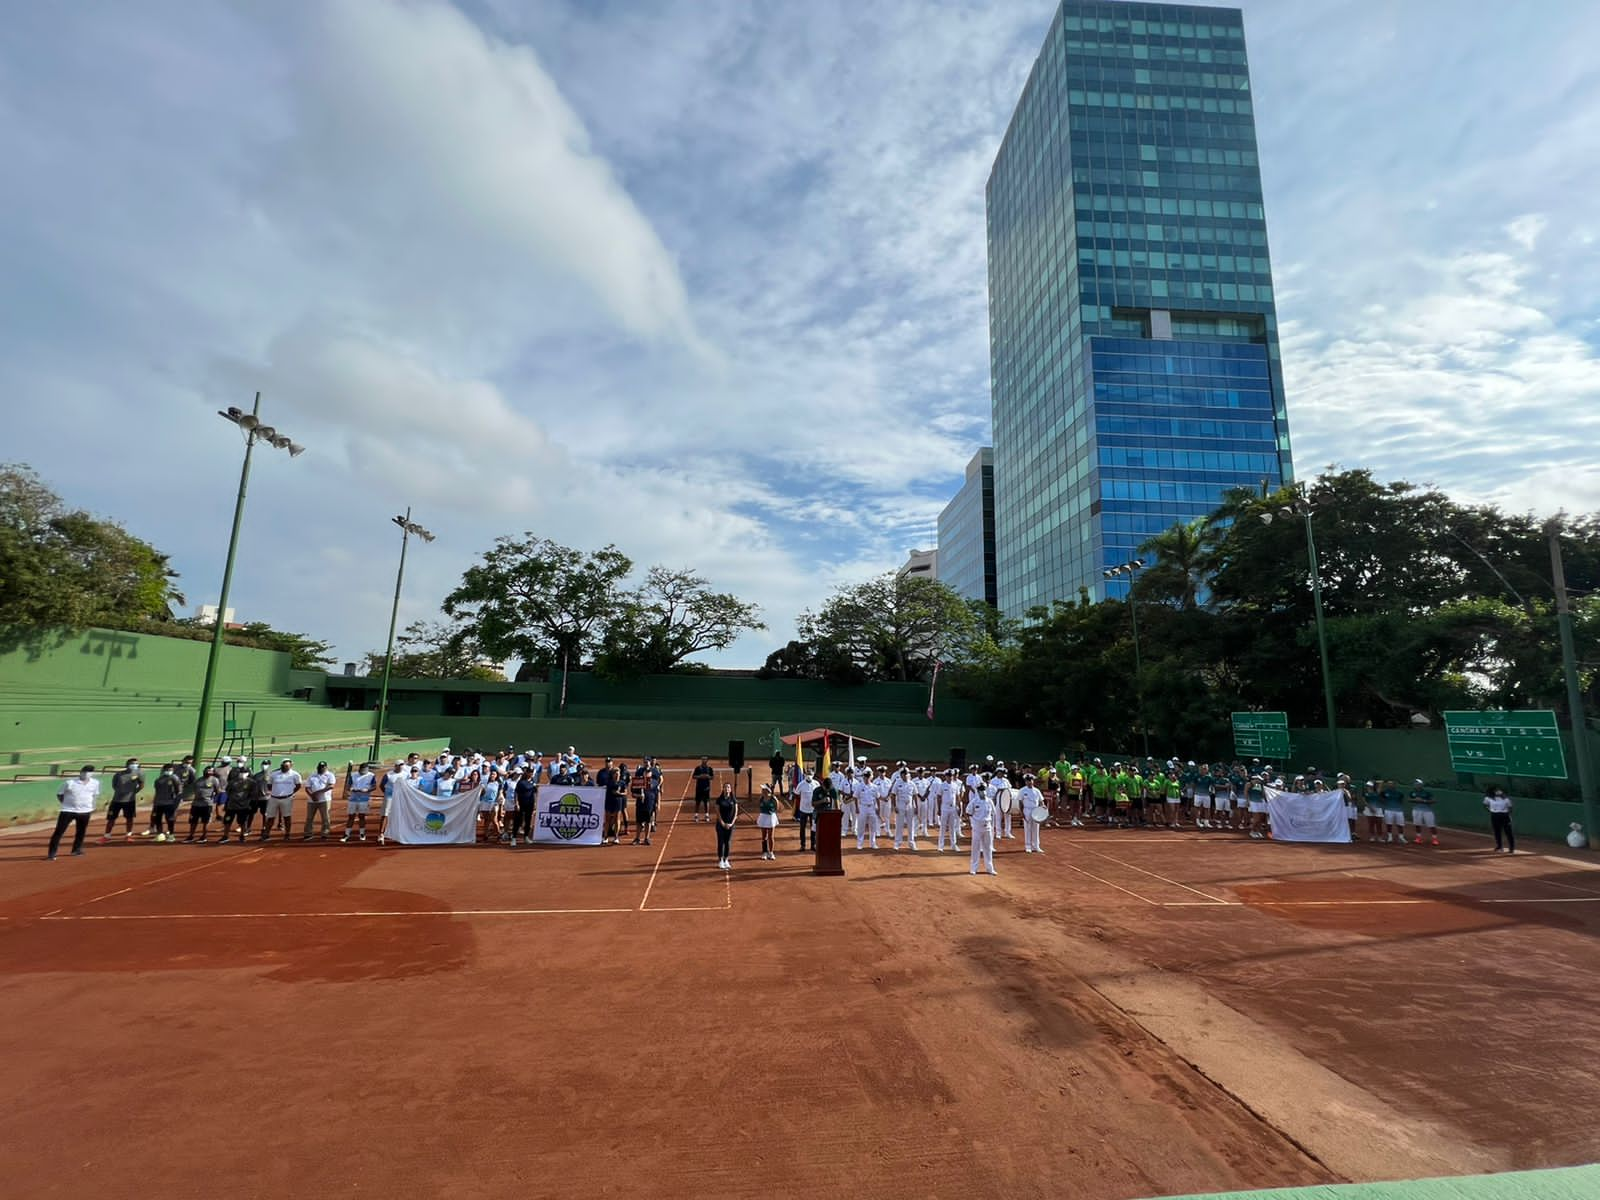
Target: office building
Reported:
point(966, 533)
point(921, 562)
point(1133, 337)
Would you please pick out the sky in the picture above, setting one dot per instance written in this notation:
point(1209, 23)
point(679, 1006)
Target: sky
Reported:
point(706, 279)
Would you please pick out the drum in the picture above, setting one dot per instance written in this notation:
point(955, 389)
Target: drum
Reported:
point(1040, 815)
point(1005, 802)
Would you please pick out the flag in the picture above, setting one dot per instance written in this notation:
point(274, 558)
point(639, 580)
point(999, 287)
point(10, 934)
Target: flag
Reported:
point(799, 758)
point(933, 683)
point(827, 754)
point(852, 752)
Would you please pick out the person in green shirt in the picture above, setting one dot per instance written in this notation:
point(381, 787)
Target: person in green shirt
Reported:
point(1100, 790)
point(1394, 812)
point(1422, 812)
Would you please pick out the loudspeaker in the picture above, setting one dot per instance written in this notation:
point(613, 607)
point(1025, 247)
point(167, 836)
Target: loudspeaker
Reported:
point(736, 754)
point(958, 757)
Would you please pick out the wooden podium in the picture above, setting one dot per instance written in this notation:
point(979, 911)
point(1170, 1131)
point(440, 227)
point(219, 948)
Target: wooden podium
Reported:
point(829, 830)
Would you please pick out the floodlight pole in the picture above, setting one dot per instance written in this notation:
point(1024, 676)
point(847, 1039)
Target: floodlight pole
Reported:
point(406, 530)
point(1569, 668)
point(219, 625)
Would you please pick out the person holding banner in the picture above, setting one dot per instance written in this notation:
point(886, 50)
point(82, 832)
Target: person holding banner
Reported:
point(727, 814)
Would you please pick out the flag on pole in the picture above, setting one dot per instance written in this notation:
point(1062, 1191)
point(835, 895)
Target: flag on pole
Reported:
point(933, 683)
point(827, 754)
point(852, 752)
point(799, 759)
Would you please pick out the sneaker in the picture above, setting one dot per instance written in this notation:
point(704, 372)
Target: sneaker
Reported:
point(160, 837)
point(129, 834)
point(188, 839)
point(992, 871)
point(1419, 839)
point(201, 841)
point(974, 871)
point(345, 839)
point(104, 838)
point(1435, 841)
point(50, 857)
point(647, 841)
point(77, 854)
point(146, 833)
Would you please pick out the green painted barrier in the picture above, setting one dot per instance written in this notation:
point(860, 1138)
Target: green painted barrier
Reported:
point(1571, 1183)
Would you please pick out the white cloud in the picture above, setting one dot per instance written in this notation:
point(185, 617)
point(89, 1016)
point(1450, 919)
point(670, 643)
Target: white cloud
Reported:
point(1525, 230)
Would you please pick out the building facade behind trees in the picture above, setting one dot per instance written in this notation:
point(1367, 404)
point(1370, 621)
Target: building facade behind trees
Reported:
point(966, 533)
point(1133, 336)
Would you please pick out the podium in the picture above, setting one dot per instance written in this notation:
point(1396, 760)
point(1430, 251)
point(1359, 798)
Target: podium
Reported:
point(829, 832)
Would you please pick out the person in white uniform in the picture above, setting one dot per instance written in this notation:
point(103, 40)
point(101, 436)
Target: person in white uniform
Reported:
point(1030, 797)
point(980, 815)
point(999, 787)
point(949, 801)
point(903, 793)
point(868, 825)
point(849, 801)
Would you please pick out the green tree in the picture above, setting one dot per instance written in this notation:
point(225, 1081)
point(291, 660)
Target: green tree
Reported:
point(895, 627)
point(434, 650)
point(673, 615)
point(1181, 569)
point(65, 568)
point(537, 600)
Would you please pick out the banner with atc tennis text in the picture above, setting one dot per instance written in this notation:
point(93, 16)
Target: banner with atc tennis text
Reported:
point(1307, 816)
point(570, 816)
point(418, 819)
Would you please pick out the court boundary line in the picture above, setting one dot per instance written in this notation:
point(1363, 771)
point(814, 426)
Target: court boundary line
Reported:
point(151, 882)
point(661, 854)
point(1163, 878)
point(1396, 901)
point(1118, 886)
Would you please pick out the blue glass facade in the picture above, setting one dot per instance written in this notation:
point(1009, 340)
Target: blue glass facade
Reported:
point(966, 533)
point(1133, 335)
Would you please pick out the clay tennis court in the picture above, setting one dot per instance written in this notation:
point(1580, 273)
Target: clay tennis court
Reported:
point(1129, 1014)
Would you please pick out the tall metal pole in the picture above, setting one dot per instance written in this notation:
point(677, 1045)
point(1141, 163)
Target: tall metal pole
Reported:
point(388, 654)
point(1322, 643)
point(1569, 667)
point(222, 603)
point(1138, 671)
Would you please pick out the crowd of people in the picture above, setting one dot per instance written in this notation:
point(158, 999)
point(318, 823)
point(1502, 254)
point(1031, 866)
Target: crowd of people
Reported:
point(989, 802)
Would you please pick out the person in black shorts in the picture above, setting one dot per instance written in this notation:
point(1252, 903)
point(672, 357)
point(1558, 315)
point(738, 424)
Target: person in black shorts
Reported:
point(702, 776)
point(527, 789)
point(164, 810)
point(606, 778)
point(644, 809)
point(126, 785)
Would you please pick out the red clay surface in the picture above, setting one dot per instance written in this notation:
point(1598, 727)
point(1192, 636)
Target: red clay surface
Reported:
point(288, 1019)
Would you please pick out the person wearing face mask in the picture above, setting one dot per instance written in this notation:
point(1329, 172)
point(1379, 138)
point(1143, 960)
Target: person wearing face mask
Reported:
point(164, 808)
point(126, 785)
point(77, 798)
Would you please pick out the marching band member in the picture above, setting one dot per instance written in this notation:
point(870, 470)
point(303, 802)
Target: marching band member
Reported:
point(950, 796)
point(981, 812)
point(999, 788)
point(903, 793)
point(849, 801)
point(1030, 798)
point(868, 824)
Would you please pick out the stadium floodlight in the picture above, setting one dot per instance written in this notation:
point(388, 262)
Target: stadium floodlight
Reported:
point(254, 431)
point(408, 527)
point(1128, 568)
point(295, 449)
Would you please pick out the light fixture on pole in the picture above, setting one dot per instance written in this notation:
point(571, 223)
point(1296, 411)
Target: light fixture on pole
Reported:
point(407, 528)
point(1302, 507)
point(1569, 668)
point(1128, 568)
point(250, 424)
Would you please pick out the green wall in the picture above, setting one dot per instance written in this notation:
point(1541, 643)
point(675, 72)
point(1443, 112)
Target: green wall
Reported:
point(690, 738)
point(107, 661)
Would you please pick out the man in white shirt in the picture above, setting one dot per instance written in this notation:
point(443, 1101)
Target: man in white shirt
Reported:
point(923, 784)
point(359, 783)
point(868, 823)
point(850, 801)
point(999, 789)
point(77, 798)
point(1030, 798)
point(319, 799)
point(904, 796)
point(803, 791)
point(949, 808)
point(980, 816)
point(282, 785)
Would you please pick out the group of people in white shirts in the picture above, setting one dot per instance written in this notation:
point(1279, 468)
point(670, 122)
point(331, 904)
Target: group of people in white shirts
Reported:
point(906, 802)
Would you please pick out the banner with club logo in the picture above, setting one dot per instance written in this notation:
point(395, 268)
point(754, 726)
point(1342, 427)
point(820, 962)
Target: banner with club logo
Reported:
point(418, 819)
point(570, 816)
point(1307, 816)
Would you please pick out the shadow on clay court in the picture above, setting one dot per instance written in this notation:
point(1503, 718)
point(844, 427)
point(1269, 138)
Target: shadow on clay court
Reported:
point(1023, 986)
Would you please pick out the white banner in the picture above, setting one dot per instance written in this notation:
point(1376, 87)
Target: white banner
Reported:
point(570, 816)
point(1307, 816)
point(418, 819)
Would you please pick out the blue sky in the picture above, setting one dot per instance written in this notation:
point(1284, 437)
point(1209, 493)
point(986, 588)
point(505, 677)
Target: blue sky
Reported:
point(706, 279)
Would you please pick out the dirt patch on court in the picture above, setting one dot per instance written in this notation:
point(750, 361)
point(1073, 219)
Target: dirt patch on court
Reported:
point(1370, 907)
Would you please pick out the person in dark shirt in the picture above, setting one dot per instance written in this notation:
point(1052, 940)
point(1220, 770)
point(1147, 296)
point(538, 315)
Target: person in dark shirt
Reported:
point(644, 812)
point(624, 781)
point(702, 776)
point(606, 778)
point(164, 809)
point(527, 806)
point(237, 808)
point(727, 814)
point(776, 764)
point(126, 785)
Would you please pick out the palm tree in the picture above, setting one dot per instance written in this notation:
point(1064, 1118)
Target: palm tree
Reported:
point(1182, 567)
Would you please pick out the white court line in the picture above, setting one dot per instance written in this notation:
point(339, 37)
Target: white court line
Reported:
point(420, 912)
point(149, 882)
point(670, 827)
point(1163, 878)
point(1372, 903)
point(1118, 886)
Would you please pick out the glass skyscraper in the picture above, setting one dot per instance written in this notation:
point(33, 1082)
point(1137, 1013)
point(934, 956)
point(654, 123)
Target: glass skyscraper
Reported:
point(966, 533)
point(1133, 338)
